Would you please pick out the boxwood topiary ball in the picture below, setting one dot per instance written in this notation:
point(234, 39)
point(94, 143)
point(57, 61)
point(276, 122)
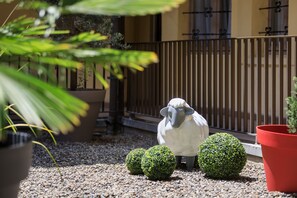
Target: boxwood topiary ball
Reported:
point(133, 161)
point(158, 162)
point(221, 156)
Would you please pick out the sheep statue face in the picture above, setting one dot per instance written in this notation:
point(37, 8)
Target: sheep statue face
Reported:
point(182, 130)
point(176, 116)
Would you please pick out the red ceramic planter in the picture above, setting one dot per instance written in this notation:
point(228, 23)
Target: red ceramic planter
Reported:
point(279, 150)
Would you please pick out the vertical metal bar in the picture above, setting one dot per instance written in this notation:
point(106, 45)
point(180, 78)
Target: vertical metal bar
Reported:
point(148, 88)
point(233, 54)
point(193, 75)
point(204, 85)
point(259, 76)
point(220, 68)
point(157, 72)
point(180, 67)
point(189, 73)
point(129, 98)
point(289, 64)
point(142, 87)
point(175, 68)
point(85, 76)
point(227, 51)
point(73, 80)
point(142, 90)
point(184, 71)
point(163, 82)
point(57, 75)
point(281, 81)
point(295, 56)
point(199, 78)
point(273, 114)
point(215, 82)
point(166, 73)
point(170, 71)
point(209, 98)
point(266, 84)
point(153, 89)
point(67, 79)
point(94, 77)
point(245, 85)
point(252, 88)
point(239, 83)
point(150, 79)
point(139, 90)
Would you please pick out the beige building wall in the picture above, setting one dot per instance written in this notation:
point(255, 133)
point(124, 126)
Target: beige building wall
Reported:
point(247, 20)
point(292, 23)
point(175, 23)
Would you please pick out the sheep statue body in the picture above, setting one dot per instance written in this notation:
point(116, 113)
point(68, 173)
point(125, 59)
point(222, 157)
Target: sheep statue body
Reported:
point(182, 130)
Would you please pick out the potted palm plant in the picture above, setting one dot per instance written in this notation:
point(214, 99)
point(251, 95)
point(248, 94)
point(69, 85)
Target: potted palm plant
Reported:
point(44, 104)
point(279, 149)
point(76, 24)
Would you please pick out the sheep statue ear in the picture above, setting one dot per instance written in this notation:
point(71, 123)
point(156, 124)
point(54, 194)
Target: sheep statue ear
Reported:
point(164, 111)
point(189, 110)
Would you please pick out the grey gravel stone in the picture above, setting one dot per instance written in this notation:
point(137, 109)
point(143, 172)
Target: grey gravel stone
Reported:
point(97, 169)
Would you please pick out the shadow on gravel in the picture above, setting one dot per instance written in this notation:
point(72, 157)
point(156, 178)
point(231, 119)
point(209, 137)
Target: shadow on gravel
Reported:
point(176, 178)
point(105, 149)
point(240, 179)
point(244, 179)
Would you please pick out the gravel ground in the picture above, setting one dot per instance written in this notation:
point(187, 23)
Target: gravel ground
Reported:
point(97, 169)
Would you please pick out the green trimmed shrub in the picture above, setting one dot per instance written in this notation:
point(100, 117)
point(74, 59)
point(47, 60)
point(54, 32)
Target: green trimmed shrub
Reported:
point(133, 161)
point(221, 156)
point(158, 162)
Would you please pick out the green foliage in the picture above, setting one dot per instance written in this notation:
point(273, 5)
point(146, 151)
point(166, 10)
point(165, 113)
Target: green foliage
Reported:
point(45, 104)
point(133, 161)
point(158, 162)
point(116, 7)
point(103, 25)
point(292, 109)
point(221, 156)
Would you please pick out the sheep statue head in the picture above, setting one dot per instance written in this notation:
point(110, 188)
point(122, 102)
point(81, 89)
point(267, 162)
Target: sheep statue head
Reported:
point(176, 115)
point(182, 130)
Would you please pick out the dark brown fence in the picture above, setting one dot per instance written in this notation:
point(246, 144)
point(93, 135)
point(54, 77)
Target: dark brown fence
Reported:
point(69, 79)
point(235, 84)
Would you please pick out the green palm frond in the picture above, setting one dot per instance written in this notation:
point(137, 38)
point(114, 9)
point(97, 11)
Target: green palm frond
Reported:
point(134, 59)
point(38, 101)
point(120, 7)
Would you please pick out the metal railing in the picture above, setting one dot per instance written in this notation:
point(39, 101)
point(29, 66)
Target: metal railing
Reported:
point(69, 79)
point(235, 83)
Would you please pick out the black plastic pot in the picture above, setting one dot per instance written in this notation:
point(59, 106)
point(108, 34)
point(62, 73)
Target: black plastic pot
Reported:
point(16, 159)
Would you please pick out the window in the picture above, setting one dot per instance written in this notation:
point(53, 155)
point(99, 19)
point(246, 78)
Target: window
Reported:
point(277, 18)
point(210, 19)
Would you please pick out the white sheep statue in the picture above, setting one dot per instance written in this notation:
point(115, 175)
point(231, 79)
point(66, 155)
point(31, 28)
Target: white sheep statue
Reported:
point(182, 130)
